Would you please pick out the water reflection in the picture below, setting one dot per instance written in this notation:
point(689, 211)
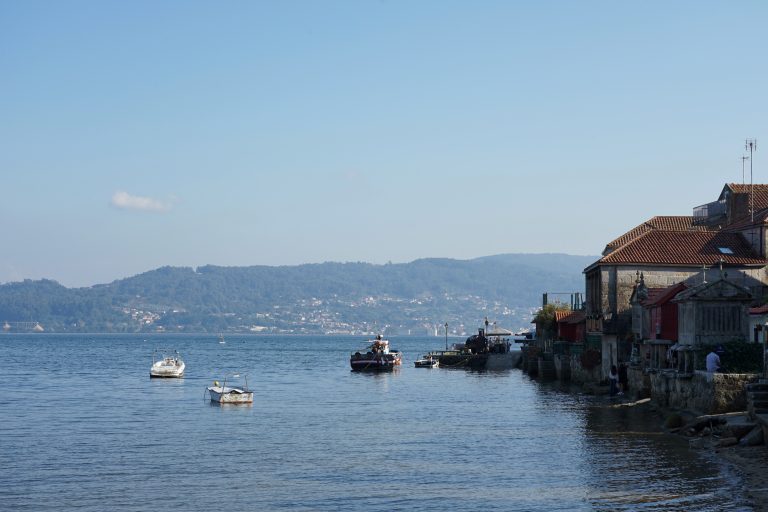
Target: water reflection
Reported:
point(634, 466)
point(320, 437)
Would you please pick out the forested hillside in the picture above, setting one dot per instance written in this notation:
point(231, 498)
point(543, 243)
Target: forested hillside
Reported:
point(314, 298)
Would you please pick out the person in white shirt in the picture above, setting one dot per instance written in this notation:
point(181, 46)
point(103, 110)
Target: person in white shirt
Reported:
point(713, 362)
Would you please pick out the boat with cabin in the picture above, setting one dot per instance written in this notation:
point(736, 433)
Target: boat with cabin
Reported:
point(490, 348)
point(225, 393)
point(166, 364)
point(427, 361)
point(378, 357)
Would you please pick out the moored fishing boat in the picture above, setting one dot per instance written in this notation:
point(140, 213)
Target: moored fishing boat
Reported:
point(377, 357)
point(223, 394)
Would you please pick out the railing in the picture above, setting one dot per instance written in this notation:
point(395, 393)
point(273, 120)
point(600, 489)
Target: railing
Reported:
point(709, 212)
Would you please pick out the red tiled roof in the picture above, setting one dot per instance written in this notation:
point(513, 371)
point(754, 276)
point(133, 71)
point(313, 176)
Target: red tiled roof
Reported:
point(666, 295)
point(652, 294)
point(759, 190)
point(663, 222)
point(759, 201)
point(760, 310)
point(761, 217)
point(569, 317)
point(695, 248)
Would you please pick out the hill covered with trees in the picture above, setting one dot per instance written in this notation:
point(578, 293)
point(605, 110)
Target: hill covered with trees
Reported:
point(415, 297)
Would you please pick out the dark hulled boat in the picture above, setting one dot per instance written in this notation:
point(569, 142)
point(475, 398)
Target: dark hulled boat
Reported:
point(476, 350)
point(377, 357)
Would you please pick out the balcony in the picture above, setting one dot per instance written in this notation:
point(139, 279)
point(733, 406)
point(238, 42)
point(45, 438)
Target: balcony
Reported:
point(709, 214)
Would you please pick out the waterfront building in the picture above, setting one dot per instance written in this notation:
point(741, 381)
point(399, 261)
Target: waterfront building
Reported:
point(571, 326)
point(758, 324)
point(669, 250)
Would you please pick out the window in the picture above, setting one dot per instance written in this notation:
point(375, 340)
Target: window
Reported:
point(725, 250)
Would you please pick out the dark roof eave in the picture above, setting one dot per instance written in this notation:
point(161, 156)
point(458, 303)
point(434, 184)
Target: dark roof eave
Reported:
point(726, 265)
point(592, 266)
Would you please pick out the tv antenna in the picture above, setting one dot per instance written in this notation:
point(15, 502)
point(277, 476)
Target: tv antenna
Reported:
point(751, 146)
point(743, 179)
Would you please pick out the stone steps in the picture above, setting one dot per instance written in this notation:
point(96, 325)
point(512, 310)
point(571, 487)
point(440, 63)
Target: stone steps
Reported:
point(757, 399)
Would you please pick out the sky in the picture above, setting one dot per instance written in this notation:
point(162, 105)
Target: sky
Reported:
point(135, 135)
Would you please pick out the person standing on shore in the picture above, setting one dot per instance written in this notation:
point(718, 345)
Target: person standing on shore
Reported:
point(713, 361)
point(623, 379)
point(613, 380)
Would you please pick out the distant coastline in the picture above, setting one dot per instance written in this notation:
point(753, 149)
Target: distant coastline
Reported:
point(416, 298)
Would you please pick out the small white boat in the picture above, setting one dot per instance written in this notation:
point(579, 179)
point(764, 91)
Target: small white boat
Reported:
point(166, 364)
point(427, 361)
point(224, 394)
point(221, 339)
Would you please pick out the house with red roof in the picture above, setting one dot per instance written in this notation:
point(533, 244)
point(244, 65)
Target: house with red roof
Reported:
point(758, 323)
point(570, 326)
point(654, 314)
point(730, 232)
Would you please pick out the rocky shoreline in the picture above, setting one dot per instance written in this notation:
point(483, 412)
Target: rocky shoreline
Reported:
point(750, 462)
point(725, 436)
point(735, 439)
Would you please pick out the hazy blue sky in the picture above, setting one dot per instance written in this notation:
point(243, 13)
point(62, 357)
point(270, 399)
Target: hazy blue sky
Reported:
point(140, 134)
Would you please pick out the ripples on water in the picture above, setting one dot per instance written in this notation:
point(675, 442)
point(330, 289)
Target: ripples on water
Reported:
point(83, 427)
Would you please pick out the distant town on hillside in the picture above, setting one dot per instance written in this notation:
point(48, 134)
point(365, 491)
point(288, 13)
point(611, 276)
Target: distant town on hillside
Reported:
point(416, 298)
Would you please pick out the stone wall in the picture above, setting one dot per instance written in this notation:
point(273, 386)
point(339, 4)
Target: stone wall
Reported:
point(580, 375)
point(617, 282)
point(702, 392)
point(563, 367)
point(639, 383)
point(609, 352)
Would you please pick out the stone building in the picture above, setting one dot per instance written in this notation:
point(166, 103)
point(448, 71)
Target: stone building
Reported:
point(758, 324)
point(711, 313)
point(731, 231)
point(666, 257)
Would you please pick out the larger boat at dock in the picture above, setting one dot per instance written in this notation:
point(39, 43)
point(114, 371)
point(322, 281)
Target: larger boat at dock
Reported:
point(486, 350)
point(377, 357)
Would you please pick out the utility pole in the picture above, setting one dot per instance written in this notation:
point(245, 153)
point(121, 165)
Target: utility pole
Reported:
point(751, 145)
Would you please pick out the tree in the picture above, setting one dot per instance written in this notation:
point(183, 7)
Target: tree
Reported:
point(545, 320)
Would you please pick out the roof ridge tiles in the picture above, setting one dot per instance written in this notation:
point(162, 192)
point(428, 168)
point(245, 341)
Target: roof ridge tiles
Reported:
point(671, 247)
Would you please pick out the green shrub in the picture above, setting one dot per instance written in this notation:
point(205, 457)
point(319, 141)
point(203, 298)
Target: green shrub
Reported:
point(738, 356)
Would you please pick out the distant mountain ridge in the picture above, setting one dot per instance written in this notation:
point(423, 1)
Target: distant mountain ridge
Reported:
point(310, 298)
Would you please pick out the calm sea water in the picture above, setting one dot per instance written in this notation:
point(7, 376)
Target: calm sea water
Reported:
point(84, 427)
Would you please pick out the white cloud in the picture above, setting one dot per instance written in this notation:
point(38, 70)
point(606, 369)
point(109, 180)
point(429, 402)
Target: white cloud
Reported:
point(126, 201)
